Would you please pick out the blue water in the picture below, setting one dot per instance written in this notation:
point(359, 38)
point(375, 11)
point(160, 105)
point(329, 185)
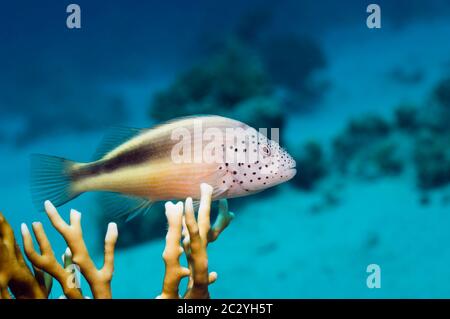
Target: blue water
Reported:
point(60, 89)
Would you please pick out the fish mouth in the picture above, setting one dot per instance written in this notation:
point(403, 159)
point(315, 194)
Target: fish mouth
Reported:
point(290, 173)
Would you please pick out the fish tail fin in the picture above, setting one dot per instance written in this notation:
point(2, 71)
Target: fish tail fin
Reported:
point(51, 180)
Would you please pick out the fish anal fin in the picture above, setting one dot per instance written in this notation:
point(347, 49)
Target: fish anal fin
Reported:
point(117, 206)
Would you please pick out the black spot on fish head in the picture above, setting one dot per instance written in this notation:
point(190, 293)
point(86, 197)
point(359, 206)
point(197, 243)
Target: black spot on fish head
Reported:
point(272, 166)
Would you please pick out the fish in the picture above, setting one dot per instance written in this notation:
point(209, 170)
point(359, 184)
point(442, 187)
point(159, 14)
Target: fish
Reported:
point(135, 168)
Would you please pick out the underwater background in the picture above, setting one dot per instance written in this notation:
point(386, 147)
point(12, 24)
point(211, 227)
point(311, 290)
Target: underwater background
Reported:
point(365, 112)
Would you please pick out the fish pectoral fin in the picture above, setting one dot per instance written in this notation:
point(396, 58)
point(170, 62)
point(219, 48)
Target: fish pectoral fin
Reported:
point(218, 191)
point(196, 204)
point(216, 194)
point(118, 206)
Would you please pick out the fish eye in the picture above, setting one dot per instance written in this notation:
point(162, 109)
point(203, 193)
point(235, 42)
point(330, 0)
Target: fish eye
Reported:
point(266, 150)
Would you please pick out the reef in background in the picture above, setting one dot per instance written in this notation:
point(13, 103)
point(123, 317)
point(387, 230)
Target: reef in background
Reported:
point(415, 139)
point(250, 74)
point(232, 83)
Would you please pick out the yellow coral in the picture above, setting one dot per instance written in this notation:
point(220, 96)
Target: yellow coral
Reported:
point(99, 279)
point(186, 233)
point(197, 234)
point(14, 273)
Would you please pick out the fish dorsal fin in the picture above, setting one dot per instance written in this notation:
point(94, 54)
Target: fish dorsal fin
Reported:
point(118, 206)
point(116, 136)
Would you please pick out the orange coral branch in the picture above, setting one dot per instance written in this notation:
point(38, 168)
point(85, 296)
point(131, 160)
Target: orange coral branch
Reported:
point(14, 273)
point(99, 279)
point(46, 260)
point(197, 234)
point(171, 255)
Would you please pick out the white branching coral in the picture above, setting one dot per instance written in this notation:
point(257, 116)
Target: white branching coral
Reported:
point(186, 233)
point(99, 280)
point(195, 235)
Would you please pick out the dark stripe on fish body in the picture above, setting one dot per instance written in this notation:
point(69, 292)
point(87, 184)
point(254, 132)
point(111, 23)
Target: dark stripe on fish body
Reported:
point(134, 156)
point(141, 153)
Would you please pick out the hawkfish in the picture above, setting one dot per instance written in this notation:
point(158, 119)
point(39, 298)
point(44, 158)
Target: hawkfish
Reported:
point(137, 167)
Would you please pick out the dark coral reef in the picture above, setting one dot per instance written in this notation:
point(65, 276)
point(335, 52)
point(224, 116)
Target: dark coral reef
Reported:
point(356, 137)
point(312, 164)
point(251, 75)
point(416, 139)
point(232, 83)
